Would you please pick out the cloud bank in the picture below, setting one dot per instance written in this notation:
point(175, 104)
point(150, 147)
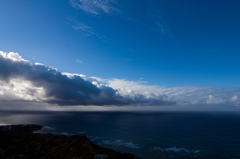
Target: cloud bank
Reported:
point(22, 80)
point(184, 96)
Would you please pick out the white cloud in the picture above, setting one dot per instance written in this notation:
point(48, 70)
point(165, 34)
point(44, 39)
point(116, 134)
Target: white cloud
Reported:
point(181, 95)
point(37, 63)
point(20, 89)
point(234, 98)
point(72, 75)
point(213, 100)
point(12, 56)
point(87, 30)
point(79, 61)
point(95, 7)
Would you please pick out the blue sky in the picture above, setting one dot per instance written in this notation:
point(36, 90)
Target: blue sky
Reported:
point(153, 43)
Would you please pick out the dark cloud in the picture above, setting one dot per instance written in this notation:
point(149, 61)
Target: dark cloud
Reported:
point(62, 89)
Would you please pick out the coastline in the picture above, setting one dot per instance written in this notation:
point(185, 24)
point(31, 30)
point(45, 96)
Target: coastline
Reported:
point(19, 141)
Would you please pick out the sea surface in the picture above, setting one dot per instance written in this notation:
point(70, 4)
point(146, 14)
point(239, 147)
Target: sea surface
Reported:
point(148, 135)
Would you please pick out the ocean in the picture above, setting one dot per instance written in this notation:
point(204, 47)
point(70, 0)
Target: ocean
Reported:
point(148, 135)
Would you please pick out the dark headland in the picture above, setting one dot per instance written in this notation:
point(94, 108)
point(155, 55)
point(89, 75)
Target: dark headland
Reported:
point(19, 142)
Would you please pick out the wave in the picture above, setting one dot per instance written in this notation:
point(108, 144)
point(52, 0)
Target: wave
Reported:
point(97, 138)
point(48, 127)
point(61, 133)
point(120, 143)
point(175, 149)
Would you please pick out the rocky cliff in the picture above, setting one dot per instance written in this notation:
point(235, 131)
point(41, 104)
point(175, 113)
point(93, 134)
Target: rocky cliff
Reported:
point(18, 141)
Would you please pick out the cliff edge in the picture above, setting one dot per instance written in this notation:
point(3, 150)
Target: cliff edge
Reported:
point(18, 142)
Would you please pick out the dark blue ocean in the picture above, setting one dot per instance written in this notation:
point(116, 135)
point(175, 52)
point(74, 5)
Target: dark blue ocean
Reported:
point(148, 135)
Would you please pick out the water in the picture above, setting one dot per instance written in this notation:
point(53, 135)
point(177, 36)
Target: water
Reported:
point(148, 135)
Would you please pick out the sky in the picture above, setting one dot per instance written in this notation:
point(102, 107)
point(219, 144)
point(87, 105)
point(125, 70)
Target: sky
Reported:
point(120, 55)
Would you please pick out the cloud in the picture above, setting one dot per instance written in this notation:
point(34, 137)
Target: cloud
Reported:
point(183, 96)
point(234, 98)
point(22, 80)
point(79, 61)
point(87, 30)
point(213, 100)
point(95, 7)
